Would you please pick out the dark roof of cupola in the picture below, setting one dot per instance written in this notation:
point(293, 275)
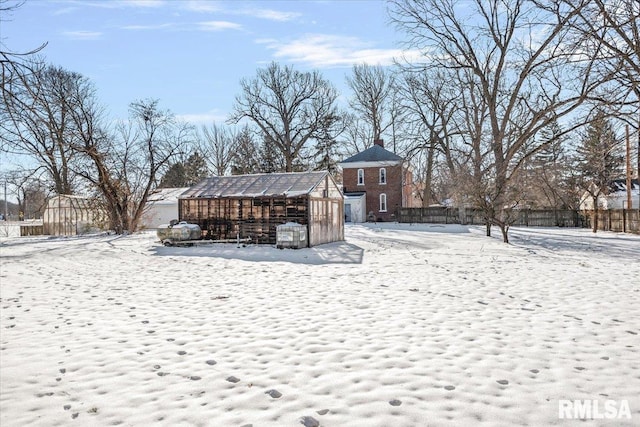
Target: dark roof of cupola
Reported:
point(375, 153)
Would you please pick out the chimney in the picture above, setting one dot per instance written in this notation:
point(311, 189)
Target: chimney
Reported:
point(379, 142)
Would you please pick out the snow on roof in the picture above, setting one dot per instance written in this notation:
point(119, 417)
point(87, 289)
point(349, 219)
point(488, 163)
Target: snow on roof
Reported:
point(621, 185)
point(256, 185)
point(166, 195)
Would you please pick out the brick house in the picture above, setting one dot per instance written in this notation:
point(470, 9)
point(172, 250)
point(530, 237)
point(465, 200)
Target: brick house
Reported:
point(376, 183)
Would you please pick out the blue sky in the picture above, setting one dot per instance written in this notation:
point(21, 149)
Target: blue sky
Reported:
point(191, 55)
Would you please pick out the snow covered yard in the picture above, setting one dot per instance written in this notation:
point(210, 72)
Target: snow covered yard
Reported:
point(401, 325)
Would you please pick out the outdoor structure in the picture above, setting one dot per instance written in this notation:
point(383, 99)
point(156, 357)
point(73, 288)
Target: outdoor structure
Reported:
point(376, 184)
point(355, 207)
point(162, 207)
point(67, 215)
point(616, 198)
point(252, 206)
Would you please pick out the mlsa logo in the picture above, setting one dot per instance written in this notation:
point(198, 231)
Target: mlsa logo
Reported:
point(594, 409)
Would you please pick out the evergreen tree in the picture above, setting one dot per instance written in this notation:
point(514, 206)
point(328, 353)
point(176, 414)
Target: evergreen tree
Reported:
point(174, 177)
point(195, 169)
point(326, 147)
point(600, 160)
point(247, 156)
point(185, 173)
point(553, 171)
point(271, 160)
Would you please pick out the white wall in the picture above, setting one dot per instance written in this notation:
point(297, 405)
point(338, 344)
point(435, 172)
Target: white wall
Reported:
point(358, 207)
point(158, 214)
point(616, 200)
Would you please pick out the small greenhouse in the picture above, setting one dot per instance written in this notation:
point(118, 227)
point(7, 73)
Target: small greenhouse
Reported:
point(67, 215)
point(252, 206)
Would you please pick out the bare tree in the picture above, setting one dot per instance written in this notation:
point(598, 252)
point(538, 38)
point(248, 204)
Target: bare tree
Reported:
point(357, 135)
point(522, 73)
point(372, 95)
point(36, 119)
point(288, 106)
point(551, 173)
point(219, 144)
point(614, 27)
point(124, 166)
point(429, 105)
point(11, 61)
point(30, 192)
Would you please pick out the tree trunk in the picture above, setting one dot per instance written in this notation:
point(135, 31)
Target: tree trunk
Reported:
point(595, 215)
point(426, 195)
point(504, 228)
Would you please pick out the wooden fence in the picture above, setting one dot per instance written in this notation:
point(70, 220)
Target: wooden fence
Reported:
point(622, 220)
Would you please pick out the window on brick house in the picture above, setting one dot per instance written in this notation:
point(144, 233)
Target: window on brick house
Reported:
point(360, 176)
point(383, 202)
point(382, 176)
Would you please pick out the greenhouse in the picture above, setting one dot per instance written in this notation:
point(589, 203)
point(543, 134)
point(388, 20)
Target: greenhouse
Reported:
point(252, 206)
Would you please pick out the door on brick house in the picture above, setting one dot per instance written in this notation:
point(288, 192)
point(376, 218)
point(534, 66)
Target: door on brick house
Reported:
point(347, 213)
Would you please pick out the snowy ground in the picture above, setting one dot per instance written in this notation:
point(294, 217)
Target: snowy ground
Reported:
point(400, 325)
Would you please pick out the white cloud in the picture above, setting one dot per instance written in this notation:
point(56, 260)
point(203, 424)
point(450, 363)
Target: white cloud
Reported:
point(203, 118)
point(201, 6)
point(64, 11)
point(120, 4)
point(82, 35)
point(270, 14)
point(149, 27)
point(199, 26)
point(327, 51)
point(143, 3)
point(219, 25)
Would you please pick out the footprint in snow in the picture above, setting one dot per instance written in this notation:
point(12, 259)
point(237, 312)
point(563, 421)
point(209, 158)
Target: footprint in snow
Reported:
point(233, 379)
point(503, 382)
point(309, 422)
point(274, 393)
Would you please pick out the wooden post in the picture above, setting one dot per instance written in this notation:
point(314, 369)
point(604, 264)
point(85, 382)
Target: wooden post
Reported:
point(629, 200)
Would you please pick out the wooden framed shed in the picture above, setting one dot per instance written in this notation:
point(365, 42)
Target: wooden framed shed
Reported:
point(252, 206)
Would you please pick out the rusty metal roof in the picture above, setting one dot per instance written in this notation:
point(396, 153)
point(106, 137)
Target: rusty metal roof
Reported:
point(290, 184)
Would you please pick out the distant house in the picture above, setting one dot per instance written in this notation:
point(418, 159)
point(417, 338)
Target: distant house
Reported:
point(66, 215)
point(616, 197)
point(376, 183)
point(162, 207)
point(252, 206)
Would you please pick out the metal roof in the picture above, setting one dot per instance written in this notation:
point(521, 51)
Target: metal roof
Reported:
point(163, 196)
point(621, 185)
point(290, 184)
